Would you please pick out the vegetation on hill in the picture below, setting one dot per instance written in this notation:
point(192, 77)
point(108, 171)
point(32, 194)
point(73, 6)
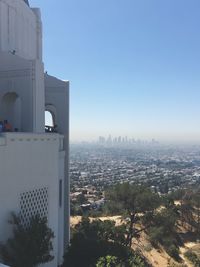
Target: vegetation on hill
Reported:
point(193, 258)
point(167, 221)
point(98, 241)
point(163, 231)
point(134, 202)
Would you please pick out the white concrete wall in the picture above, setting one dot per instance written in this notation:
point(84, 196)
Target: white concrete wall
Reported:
point(26, 79)
point(31, 161)
point(57, 102)
point(21, 68)
point(38, 96)
point(28, 162)
point(20, 29)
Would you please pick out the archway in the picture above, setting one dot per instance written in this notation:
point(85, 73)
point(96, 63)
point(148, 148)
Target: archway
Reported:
point(50, 119)
point(11, 110)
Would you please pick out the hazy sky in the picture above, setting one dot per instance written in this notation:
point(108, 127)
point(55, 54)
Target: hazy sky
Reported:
point(134, 65)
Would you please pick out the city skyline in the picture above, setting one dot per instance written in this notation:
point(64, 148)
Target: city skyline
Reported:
point(133, 66)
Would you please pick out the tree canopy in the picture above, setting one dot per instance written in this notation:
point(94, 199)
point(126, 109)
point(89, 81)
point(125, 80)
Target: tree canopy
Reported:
point(134, 201)
point(97, 239)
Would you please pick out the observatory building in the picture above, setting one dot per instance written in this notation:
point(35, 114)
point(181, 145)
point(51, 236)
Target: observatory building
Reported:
point(33, 160)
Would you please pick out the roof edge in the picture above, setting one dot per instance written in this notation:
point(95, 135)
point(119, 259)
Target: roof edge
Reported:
point(27, 2)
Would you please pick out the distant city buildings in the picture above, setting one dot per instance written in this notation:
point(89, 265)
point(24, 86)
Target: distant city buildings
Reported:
point(164, 169)
point(124, 140)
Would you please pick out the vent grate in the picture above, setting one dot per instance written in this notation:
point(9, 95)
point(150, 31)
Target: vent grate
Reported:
point(33, 203)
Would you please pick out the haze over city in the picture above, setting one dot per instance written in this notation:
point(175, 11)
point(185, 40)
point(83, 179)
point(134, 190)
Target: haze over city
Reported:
point(133, 66)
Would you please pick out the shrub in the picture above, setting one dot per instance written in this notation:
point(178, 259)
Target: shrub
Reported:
point(29, 246)
point(155, 235)
point(148, 248)
point(100, 243)
point(173, 251)
point(191, 256)
point(107, 261)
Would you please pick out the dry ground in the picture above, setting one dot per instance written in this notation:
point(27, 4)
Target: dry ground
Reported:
point(76, 219)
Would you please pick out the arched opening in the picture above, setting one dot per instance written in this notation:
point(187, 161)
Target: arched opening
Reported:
point(49, 121)
point(50, 125)
point(11, 110)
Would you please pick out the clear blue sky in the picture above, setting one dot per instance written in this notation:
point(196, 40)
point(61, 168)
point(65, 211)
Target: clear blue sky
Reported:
point(134, 65)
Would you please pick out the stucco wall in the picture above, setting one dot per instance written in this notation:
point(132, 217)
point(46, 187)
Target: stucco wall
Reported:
point(57, 102)
point(30, 162)
point(20, 29)
point(26, 79)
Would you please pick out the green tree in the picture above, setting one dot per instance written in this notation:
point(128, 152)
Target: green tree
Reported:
point(135, 202)
point(163, 231)
point(81, 199)
point(196, 209)
point(112, 261)
point(193, 257)
point(186, 208)
point(108, 261)
point(29, 246)
point(92, 240)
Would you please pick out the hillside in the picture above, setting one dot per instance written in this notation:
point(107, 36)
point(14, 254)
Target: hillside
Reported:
point(157, 257)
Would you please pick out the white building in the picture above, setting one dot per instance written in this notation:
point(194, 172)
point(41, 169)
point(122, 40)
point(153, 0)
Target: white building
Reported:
point(33, 164)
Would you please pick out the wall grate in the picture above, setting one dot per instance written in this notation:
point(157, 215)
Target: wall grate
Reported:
point(33, 203)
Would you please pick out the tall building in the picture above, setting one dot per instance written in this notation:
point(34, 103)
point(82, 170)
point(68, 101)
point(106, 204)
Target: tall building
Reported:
point(33, 163)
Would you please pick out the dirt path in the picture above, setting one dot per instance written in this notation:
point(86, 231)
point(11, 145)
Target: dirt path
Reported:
point(76, 219)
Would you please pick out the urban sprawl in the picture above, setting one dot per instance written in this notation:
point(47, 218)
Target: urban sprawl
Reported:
point(95, 167)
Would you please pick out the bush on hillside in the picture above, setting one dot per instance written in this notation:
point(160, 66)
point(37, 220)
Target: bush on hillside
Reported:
point(98, 239)
point(191, 256)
